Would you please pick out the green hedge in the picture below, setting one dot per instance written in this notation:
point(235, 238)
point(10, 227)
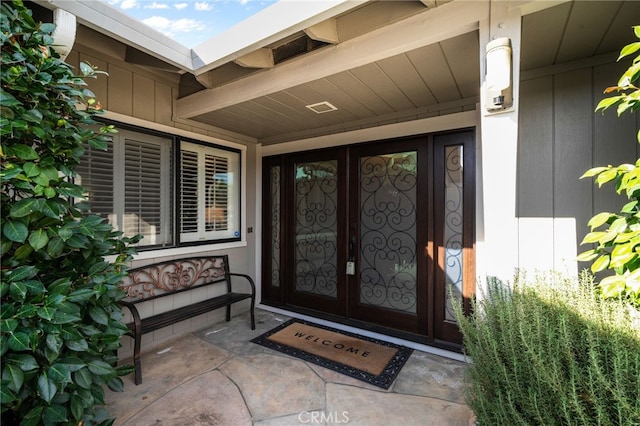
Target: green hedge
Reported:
point(548, 351)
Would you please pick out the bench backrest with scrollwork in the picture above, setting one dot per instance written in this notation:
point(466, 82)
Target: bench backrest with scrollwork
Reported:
point(174, 276)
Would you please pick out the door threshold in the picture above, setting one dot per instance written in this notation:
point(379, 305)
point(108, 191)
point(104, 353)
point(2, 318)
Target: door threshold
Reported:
point(385, 338)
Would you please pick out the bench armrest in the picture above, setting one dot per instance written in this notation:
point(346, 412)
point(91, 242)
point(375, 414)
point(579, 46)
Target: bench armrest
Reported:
point(137, 321)
point(248, 278)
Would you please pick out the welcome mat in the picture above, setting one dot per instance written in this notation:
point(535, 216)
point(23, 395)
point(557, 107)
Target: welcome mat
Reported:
point(370, 360)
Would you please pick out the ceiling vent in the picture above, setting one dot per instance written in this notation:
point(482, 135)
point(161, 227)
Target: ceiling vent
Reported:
point(322, 107)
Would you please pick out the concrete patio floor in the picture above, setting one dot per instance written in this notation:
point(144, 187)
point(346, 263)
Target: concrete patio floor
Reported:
point(216, 376)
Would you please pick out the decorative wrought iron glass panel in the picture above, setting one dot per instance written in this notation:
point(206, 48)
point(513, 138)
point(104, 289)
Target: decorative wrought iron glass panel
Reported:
point(316, 227)
point(275, 226)
point(388, 269)
point(453, 209)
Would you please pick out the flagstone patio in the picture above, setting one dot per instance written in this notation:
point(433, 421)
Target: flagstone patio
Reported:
point(216, 376)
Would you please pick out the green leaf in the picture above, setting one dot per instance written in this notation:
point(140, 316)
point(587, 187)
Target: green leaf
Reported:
point(31, 169)
point(60, 373)
point(73, 363)
point(54, 342)
point(115, 384)
point(618, 226)
point(26, 206)
point(19, 341)
point(24, 362)
point(18, 291)
point(599, 220)
point(33, 417)
point(8, 325)
point(99, 315)
point(65, 232)
point(21, 273)
point(621, 254)
point(46, 387)
point(608, 102)
point(33, 116)
point(55, 247)
point(83, 378)
point(81, 295)
point(54, 413)
point(46, 313)
point(100, 368)
point(594, 171)
point(14, 376)
point(66, 313)
point(22, 151)
point(592, 237)
point(612, 286)
point(606, 176)
point(77, 345)
point(38, 239)
point(50, 172)
point(15, 231)
point(77, 406)
point(600, 264)
point(60, 286)
point(629, 207)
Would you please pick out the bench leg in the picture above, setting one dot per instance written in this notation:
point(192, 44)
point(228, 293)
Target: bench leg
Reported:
point(136, 359)
point(253, 314)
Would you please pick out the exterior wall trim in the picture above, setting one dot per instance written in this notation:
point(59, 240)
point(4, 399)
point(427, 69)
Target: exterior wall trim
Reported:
point(395, 130)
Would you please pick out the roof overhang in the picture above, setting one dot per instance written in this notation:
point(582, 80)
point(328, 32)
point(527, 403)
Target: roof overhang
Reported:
point(274, 23)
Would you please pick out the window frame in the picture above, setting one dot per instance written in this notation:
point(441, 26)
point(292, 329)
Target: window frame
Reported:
point(177, 136)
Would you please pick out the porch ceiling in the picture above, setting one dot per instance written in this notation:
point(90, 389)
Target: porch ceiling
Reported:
point(407, 86)
point(410, 83)
point(378, 62)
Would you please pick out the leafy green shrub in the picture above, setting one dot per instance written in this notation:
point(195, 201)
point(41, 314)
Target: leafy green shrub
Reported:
point(60, 322)
point(551, 352)
point(617, 235)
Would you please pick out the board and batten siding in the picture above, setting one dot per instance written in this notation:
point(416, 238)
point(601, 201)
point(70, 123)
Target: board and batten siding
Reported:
point(148, 96)
point(561, 137)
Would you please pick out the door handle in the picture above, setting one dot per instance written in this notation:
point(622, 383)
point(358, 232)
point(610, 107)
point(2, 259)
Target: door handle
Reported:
point(351, 262)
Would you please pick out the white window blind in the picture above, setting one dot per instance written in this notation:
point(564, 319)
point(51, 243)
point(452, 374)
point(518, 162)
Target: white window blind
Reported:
point(95, 175)
point(130, 185)
point(209, 201)
point(147, 190)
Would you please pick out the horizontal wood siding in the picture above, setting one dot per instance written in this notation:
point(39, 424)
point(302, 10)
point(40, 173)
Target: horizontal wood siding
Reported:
point(560, 137)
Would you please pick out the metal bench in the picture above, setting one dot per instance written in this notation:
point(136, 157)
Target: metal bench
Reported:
point(172, 277)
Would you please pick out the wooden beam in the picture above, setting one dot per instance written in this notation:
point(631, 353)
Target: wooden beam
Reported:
point(326, 31)
point(429, 3)
point(261, 58)
point(431, 26)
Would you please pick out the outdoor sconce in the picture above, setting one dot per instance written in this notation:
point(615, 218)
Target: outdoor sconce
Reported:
point(499, 93)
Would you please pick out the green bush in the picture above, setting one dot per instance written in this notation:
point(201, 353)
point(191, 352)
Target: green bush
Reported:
point(616, 236)
point(549, 351)
point(60, 323)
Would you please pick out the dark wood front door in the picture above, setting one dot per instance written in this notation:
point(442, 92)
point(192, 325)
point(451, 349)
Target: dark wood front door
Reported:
point(378, 233)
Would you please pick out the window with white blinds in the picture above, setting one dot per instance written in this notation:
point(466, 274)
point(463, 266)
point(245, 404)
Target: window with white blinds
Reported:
point(209, 193)
point(131, 184)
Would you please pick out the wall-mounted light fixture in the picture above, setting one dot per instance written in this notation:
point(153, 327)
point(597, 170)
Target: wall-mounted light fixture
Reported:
point(498, 92)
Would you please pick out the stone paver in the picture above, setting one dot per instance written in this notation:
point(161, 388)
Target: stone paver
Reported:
point(203, 400)
point(433, 376)
point(162, 370)
point(216, 376)
point(275, 386)
point(356, 406)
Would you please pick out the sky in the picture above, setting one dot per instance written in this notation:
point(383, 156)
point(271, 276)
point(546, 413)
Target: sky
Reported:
point(190, 22)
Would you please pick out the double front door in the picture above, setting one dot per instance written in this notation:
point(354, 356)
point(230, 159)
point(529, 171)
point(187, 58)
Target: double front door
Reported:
point(377, 234)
